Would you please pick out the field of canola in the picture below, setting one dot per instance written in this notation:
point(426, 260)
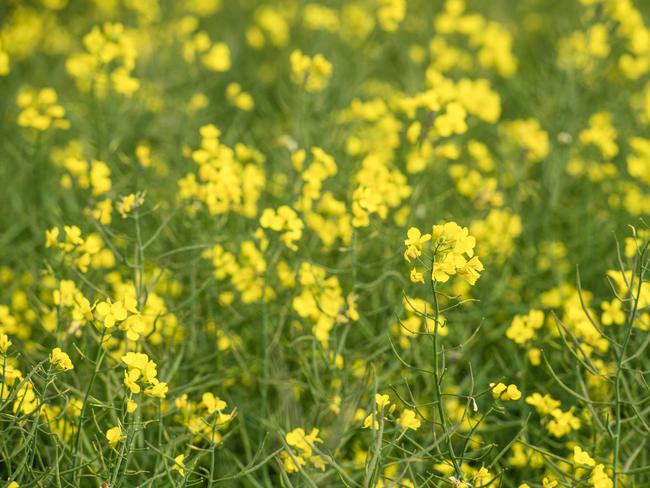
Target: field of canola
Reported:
point(361, 243)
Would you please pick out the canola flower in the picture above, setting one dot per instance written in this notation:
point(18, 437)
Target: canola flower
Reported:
point(503, 392)
point(40, 110)
point(108, 60)
point(209, 208)
point(303, 445)
point(179, 464)
point(60, 359)
point(452, 252)
point(114, 435)
point(311, 72)
point(5, 343)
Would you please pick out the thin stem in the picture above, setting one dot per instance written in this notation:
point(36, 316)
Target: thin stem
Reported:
point(437, 379)
point(619, 363)
point(101, 352)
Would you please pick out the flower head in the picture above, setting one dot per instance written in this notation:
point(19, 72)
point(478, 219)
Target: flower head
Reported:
point(179, 464)
point(60, 359)
point(114, 436)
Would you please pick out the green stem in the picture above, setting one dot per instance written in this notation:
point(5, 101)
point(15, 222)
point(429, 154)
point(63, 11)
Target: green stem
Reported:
point(619, 364)
point(437, 380)
point(4, 368)
point(101, 352)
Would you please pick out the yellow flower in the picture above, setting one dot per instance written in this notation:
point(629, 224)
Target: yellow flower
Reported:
point(452, 121)
point(543, 404)
point(390, 14)
point(40, 110)
point(471, 270)
point(212, 403)
point(52, 237)
point(4, 343)
point(548, 483)
point(599, 478)
point(291, 463)
point(239, 98)
point(100, 177)
point(114, 435)
point(415, 238)
point(134, 327)
point(455, 237)
point(482, 478)
point(141, 362)
point(612, 313)
point(302, 441)
point(312, 73)
point(179, 464)
point(61, 359)
point(26, 400)
point(131, 406)
point(382, 401)
point(535, 356)
point(416, 276)
point(73, 235)
point(370, 422)
point(528, 135)
point(414, 242)
point(582, 457)
point(445, 267)
point(285, 220)
point(217, 58)
point(157, 390)
point(562, 422)
point(109, 313)
point(129, 204)
point(318, 462)
point(510, 392)
point(130, 379)
point(408, 420)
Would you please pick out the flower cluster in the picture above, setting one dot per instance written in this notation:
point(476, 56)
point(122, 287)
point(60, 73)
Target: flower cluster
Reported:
point(40, 110)
point(60, 359)
point(451, 253)
point(383, 408)
point(142, 370)
point(108, 61)
point(286, 221)
point(523, 328)
point(245, 269)
point(228, 179)
point(128, 204)
point(321, 301)
point(205, 419)
point(302, 451)
point(214, 56)
point(557, 421)
point(284, 149)
point(313, 73)
point(503, 392)
point(75, 249)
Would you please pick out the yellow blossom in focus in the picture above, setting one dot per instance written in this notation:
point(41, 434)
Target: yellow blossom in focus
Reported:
point(61, 359)
point(114, 436)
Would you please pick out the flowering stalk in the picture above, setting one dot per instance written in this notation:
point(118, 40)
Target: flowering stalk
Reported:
point(436, 376)
point(101, 352)
point(620, 358)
